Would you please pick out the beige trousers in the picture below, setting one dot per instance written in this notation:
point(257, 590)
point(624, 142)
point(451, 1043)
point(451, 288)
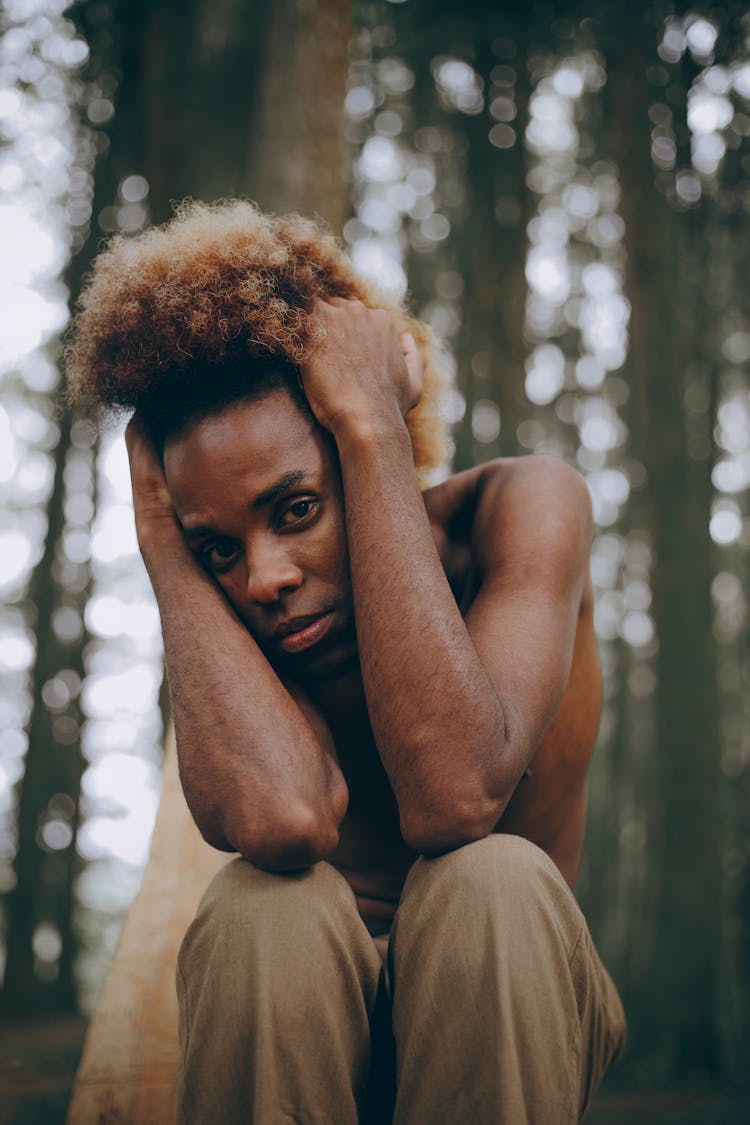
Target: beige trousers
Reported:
point(493, 1007)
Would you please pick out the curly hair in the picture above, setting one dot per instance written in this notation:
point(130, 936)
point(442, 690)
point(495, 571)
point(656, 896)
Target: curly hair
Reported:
point(215, 305)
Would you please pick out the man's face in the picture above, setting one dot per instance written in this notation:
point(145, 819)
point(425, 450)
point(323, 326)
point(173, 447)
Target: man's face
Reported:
point(257, 489)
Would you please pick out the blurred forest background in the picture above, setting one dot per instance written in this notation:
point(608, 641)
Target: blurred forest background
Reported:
point(564, 188)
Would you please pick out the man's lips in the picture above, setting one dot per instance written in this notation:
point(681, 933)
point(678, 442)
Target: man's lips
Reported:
point(303, 632)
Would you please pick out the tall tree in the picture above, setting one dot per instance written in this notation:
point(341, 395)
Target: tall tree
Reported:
point(45, 866)
point(237, 98)
point(489, 232)
point(492, 346)
point(42, 896)
point(676, 1020)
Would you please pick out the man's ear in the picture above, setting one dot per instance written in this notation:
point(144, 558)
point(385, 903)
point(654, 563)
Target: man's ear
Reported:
point(415, 368)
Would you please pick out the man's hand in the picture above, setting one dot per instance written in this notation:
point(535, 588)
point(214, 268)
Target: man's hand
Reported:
point(154, 511)
point(362, 371)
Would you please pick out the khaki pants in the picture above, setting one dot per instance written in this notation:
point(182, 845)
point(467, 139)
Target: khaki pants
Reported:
point(493, 1007)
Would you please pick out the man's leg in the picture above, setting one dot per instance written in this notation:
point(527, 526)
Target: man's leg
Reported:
point(502, 1011)
point(277, 979)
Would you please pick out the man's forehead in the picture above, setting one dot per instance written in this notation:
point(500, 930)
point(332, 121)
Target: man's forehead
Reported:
point(247, 456)
point(264, 428)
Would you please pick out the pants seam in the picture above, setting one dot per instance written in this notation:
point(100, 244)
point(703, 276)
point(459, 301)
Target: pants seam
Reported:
point(578, 942)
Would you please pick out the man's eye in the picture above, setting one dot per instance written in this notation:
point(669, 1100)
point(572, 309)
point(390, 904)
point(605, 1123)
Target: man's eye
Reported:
point(298, 511)
point(219, 555)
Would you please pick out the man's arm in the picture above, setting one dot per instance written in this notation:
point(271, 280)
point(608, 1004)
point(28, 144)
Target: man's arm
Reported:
point(457, 706)
point(258, 766)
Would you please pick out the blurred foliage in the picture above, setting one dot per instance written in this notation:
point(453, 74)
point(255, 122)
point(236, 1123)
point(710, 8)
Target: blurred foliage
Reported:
point(566, 188)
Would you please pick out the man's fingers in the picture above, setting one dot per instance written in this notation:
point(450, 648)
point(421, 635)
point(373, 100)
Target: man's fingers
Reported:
point(133, 432)
point(138, 441)
point(415, 367)
point(360, 355)
point(146, 469)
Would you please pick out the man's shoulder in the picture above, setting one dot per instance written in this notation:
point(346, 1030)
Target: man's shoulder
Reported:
point(515, 523)
point(513, 491)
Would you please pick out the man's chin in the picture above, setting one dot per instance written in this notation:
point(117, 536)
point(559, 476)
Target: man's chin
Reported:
point(329, 666)
point(329, 660)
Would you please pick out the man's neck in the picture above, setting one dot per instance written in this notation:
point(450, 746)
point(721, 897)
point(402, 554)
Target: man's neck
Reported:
point(340, 697)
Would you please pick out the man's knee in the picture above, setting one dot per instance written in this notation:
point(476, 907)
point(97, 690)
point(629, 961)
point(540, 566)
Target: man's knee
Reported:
point(261, 933)
point(243, 903)
point(503, 885)
point(242, 890)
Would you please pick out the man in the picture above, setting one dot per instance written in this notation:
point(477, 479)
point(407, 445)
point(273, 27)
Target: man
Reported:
point(385, 700)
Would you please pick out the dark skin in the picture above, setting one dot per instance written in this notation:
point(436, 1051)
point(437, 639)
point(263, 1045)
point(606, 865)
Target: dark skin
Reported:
point(361, 672)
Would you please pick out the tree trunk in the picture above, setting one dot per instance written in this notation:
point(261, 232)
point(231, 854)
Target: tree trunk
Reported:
point(237, 98)
point(53, 767)
point(295, 156)
point(492, 343)
point(676, 1024)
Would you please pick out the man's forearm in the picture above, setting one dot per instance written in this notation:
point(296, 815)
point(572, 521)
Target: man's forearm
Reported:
point(437, 720)
point(258, 778)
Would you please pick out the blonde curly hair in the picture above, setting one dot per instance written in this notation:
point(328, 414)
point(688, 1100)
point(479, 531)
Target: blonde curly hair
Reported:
point(164, 313)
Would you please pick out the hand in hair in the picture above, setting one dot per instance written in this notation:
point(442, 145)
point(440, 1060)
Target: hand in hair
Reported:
point(362, 373)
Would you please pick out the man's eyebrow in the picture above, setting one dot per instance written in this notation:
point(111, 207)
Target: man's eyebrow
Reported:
point(282, 485)
point(198, 531)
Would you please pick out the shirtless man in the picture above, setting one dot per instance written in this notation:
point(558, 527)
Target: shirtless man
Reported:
point(382, 691)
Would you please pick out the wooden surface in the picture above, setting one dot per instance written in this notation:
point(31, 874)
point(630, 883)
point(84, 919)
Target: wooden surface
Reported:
point(128, 1070)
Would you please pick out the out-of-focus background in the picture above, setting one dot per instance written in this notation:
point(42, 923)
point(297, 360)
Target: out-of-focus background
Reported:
point(565, 190)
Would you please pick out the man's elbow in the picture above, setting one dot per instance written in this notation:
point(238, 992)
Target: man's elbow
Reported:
point(294, 843)
point(432, 834)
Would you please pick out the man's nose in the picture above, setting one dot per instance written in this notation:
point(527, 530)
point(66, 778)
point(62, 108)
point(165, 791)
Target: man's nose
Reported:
point(270, 574)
